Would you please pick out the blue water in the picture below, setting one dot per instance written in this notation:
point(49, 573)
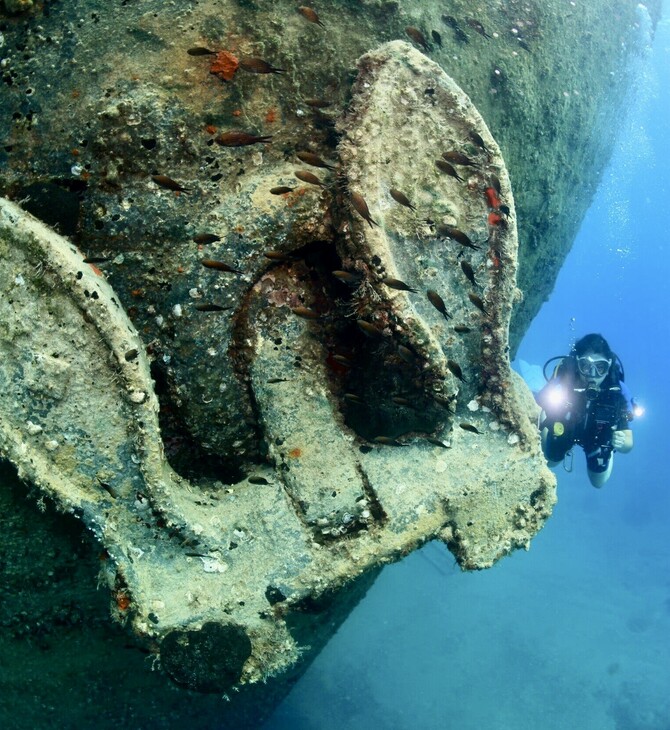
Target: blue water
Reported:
point(576, 632)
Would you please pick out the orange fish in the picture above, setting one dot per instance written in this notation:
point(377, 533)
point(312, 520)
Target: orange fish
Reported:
point(361, 207)
point(417, 36)
point(168, 183)
point(219, 266)
point(310, 15)
point(235, 138)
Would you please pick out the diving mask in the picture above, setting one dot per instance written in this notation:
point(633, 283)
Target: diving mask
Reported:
point(593, 366)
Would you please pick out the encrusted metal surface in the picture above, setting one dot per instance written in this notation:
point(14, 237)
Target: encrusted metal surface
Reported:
point(380, 426)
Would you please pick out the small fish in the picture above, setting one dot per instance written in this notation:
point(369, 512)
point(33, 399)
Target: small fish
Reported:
point(461, 36)
point(318, 103)
point(310, 15)
point(418, 37)
point(458, 31)
point(476, 138)
point(469, 273)
point(402, 401)
point(210, 307)
point(455, 368)
point(470, 427)
point(308, 177)
point(257, 480)
point(236, 138)
point(206, 238)
point(397, 284)
point(281, 190)
point(219, 266)
point(95, 260)
point(477, 302)
point(113, 493)
point(401, 198)
point(168, 183)
point(305, 313)
point(495, 183)
point(462, 329)
point(275, 381)
point(387, 441)
point(437, 38)
point(458, 158)
point(201, 51)
point(369, 329)
point(255, 65)
point(278, 256)
point(442, 401)
point(477, 26)
point(455, 234)
point(444, 166)
point(437, 442)
point(353, 398)
point(406, 354)
point(348, 277)
point(361, 207)
point(436, 300)
point(327, 124)
point(343, 360)
point(309, 158)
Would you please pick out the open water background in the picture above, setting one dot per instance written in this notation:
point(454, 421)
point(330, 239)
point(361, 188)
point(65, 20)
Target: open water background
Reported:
point(576, 632)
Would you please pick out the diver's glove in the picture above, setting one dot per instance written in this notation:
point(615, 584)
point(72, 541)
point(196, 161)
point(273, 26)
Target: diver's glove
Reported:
point(619, 439)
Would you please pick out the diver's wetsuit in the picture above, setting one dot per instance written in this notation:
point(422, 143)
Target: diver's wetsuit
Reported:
point(588, 419)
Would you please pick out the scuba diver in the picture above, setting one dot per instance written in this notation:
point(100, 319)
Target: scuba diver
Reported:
point(586, 402)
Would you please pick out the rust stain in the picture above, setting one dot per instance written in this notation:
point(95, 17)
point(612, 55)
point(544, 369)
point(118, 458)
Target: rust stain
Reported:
point(224, 65)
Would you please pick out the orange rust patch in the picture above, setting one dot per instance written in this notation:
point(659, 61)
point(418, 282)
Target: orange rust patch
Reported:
point(96, 270)
point(211, 129)
point(271, 116)
point(137, 292)
point(224, 65)
point(122, 601)
point(292, 198)
point(492, 198)
point(237, 113)
point(295, 453)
